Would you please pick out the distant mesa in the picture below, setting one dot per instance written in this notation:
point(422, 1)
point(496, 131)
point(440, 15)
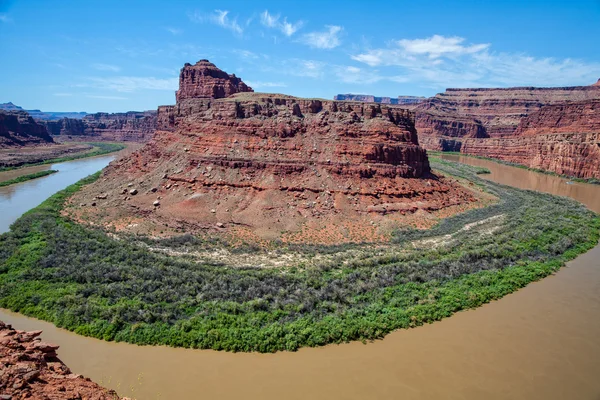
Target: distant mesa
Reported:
point(367, 98)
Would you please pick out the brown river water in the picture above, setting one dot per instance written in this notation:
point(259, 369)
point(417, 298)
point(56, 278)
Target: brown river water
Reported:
point(541, 342)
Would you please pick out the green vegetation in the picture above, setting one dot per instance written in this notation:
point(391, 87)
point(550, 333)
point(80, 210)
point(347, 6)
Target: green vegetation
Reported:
point(27, 177)
point(592, 181)
point(86, 281)
point(100, 149)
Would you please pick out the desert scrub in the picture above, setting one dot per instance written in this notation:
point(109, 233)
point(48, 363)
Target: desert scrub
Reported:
point(28, 177)
point(84, 280)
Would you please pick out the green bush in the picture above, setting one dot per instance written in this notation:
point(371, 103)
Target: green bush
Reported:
point(86, 281)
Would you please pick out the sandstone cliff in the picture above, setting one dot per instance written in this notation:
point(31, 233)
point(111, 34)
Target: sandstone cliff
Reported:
point(204, 79)
point(271, 166)
point(569, 117)
point(498, 110)
point(17, 128)
point(119, 127)
point(30, 369)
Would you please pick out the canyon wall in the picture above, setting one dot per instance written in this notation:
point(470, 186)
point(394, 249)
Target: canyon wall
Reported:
point(17, 128)
point(119, 127)
point(499, 110)
point(554, 129)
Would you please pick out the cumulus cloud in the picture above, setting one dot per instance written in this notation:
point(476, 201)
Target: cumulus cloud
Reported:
point(220, 18)
point(327, 39)
point(440, 62)
point(275, 22)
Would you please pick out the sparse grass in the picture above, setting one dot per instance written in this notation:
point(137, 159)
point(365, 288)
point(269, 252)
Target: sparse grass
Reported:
point(28, 177)
point(86, 281)
point(101, 149)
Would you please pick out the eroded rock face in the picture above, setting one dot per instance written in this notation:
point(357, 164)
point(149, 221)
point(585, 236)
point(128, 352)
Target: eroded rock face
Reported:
point(131, 126)
point(562, 138)
point(569, 117)
point(572, 154)
point(204, 79)
point(17, 128)
point(272, 164)
point(30, 369)
point(498, 110)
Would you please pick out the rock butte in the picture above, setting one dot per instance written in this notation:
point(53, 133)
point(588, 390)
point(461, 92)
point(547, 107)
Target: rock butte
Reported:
point(31, 370)
point(265, 165)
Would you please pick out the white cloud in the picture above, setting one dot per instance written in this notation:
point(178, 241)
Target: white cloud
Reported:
point(5, 18)
point(355, 75)
point(218, 17)
point(259, 84)
point(106, 67)
point(131, 83)
point(328, 39)
point(437, 46)
point(174, 31)
point(441, 62)
point(63, 94)
point(275, 21)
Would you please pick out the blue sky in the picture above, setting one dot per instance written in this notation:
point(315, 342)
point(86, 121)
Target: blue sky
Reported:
point(126, 55)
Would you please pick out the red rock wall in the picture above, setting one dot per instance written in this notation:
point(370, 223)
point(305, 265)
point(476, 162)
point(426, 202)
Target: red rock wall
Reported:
point(122, 127)
point(17, 128)
point(204, 79)
point(572, 154)
point(498, 110)
point(580, 117)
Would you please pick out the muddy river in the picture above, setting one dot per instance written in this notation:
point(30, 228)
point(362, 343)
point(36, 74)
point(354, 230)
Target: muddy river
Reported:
point(542, 342)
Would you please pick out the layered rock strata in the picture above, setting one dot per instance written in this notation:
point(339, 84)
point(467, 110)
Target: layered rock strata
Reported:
point(562, 138)
point(30, 369)
point(273, 163)
point(17, 129)
point(498, 110)
point(131, 126)
point(204, 79)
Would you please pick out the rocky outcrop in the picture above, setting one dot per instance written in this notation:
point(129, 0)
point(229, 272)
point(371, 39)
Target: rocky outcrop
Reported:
point(64, 126)
point(30, 369)
point(274, 163)
point(367, 98)
point(571, 154)
point(498, 110)
point(17, 128)
point(122, 127)
point(562, 138)
point(569, 117)
point(204, 79)
point(132, 126)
